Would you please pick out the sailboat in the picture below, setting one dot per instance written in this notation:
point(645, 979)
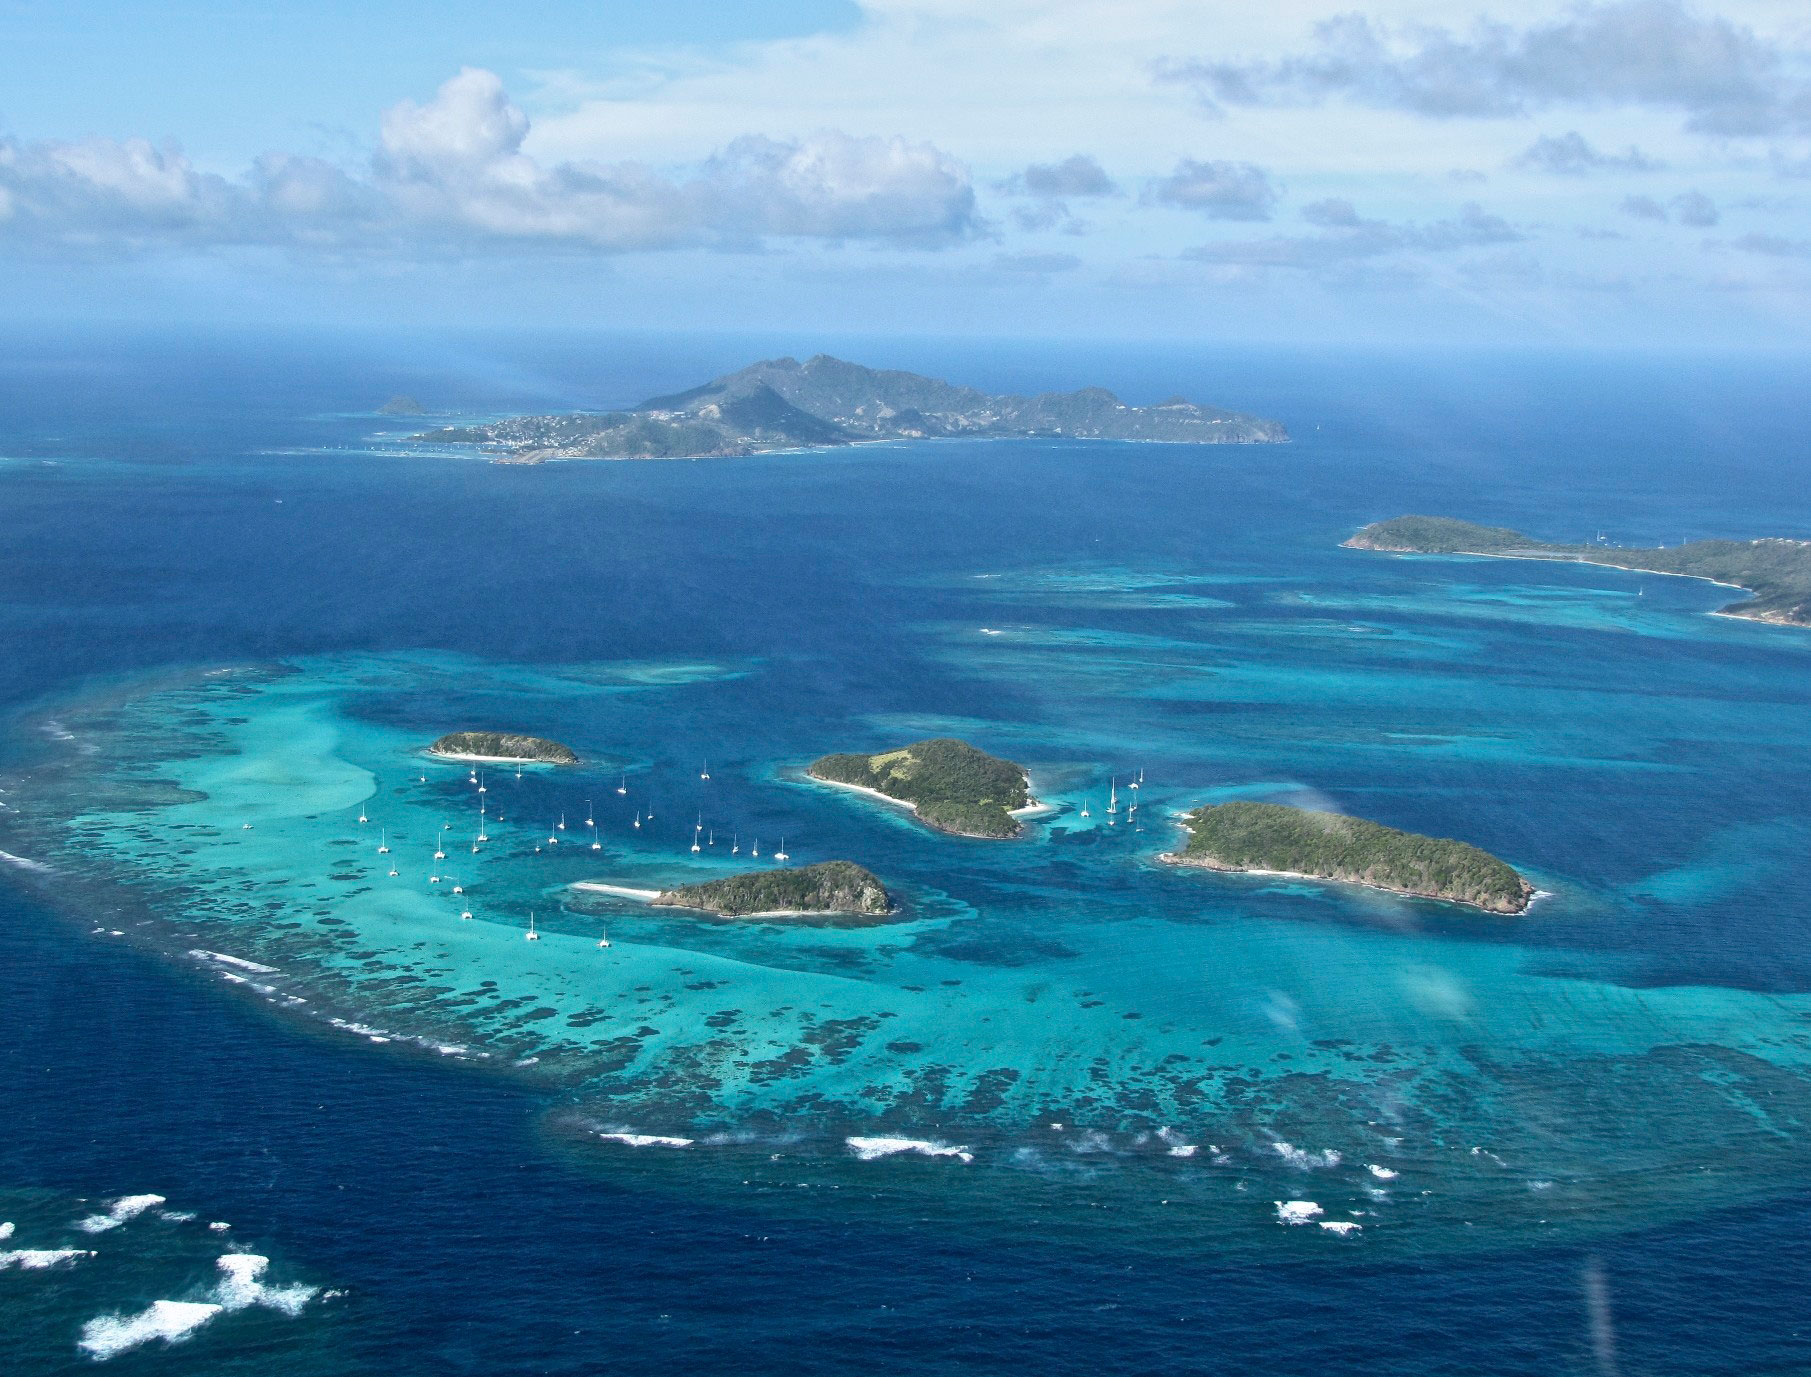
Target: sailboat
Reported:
point(439, 850)
point(596, 845)
point(467, 915)
point(735, 844)
point(562, 822)
point(458, 889)
point(650, 812)
point(1084, 808)
point(474, 776)
point(705, 773)
point(781, 855)
point(638, 820)
point(623, 787)
point(1113, 797)
point(383, 844)
point(603, 936)
point(696, 833)
point(532, 935)
point(361, 814)
point(590, 814)
point(711, 839)
point(481, 788)
point(755, 850)
point(1136, 780)
point(552, 840)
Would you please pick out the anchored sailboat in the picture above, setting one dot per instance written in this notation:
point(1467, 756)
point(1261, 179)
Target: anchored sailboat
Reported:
point(781, 855)
point(532, 935)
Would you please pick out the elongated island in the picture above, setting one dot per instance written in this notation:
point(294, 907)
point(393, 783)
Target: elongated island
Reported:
point(503, 748)
point(1274, 839)
point(948, 784)
point(781, 404)
point(1777, 571)
point(828, 888)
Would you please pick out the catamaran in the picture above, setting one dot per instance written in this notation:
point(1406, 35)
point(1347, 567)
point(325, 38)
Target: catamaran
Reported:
point(755, 850)
point(781, 855)
point(623, 787)
point(705, 773)
point(361, 814)
point(697, 832)
point(383, 842)
point(1084, 808)
point(638, 820)
point(481, 788)
point(603, 936)
point(532, 935)
point(735, 844)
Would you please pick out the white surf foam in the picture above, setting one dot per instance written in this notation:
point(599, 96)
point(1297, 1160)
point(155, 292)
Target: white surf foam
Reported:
point(645, 1140)
point(107, 1336)
point(1178, 1145)
point(6, 1231)
point(127, 1207)
point(202, 954)
point(24, 862)
point(242, 1286)
point(37, 1259)
point(1296, 1211)
point(1343, 1227)
point(1382, 1173)
point(1307, 1161)
point(872, 1149)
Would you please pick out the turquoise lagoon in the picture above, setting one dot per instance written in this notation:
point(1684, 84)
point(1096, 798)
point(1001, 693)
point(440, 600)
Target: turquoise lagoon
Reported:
point(1060, 1020)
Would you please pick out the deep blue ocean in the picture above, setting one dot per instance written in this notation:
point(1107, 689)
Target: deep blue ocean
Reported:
point(1570, 1142)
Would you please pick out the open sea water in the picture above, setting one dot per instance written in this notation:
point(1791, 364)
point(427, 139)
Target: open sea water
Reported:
point(269, 1106)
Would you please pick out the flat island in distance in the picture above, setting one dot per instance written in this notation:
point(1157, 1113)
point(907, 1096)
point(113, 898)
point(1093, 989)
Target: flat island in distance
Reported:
point(829, 887)
point(1275, 839)
point(784, 404)
point(949, 784)
point(1777, 571)
point(503, 748)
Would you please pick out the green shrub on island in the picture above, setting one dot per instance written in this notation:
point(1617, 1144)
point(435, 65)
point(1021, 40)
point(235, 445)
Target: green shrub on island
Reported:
point(951, 785)
point(504, 746)
point(1776, 571)
point(828, 887)
point(1331, 846)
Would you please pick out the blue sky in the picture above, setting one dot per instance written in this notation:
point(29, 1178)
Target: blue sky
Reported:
point(1635, 171)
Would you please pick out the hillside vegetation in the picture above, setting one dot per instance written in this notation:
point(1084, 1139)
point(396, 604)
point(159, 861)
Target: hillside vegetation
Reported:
point(828, 887)
point(1776, 571)
point(950, 784)
point(1331, 846)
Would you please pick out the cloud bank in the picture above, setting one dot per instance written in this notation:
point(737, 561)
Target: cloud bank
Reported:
point(453, 171)
point(1722, 76)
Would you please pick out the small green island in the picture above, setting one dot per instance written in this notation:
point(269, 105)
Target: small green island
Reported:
point(1272, 838)
point(1776, 571)
point(506, 748)
point(829, 887)
point(949, 784)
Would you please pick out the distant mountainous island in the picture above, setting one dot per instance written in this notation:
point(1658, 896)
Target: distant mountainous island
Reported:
point(1776, 571)
point(785, 404)
point(1272, 838)
point(949, 784)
